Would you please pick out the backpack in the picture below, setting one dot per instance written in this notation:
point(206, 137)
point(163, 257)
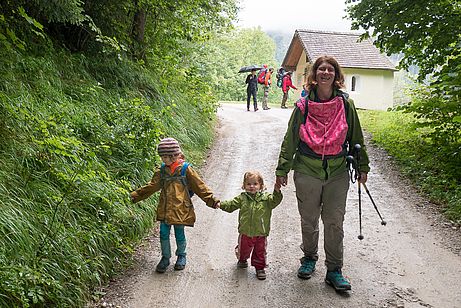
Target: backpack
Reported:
point(181, 177)
point(262, 76)
point(307, 151)
point(280, 74)
point(345, 97)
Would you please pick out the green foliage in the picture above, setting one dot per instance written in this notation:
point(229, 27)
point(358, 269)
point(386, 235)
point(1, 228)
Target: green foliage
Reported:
point(419, 30)
point(224, 55)
point(77, 134)
point(416, 29)
point(434, 170)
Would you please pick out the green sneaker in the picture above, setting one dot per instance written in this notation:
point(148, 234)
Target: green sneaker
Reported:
point(162, 265)
point(337, 281)
point(307, 268)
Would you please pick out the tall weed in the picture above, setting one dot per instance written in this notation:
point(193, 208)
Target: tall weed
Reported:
point(77, 134)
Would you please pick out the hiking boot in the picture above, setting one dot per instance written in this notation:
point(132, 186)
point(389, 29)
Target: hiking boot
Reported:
point(307, 267)
point(248, 109)
point(284, 107)
point(162, 265)
point(337, 281)
point(261, 274)
point(242, 264)
point(180, 263)
point(256, 109)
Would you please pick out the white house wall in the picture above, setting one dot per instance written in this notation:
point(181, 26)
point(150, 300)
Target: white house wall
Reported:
point(374, 88)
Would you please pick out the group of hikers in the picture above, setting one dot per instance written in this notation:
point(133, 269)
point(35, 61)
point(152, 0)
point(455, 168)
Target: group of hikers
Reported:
point(323, 129)
point(264, 78)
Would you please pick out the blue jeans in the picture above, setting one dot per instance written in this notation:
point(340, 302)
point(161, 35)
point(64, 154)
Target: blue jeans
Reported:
point(165, 239)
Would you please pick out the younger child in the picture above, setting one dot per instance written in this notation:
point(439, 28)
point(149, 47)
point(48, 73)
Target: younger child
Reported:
point(254, 220)
point(174, 205)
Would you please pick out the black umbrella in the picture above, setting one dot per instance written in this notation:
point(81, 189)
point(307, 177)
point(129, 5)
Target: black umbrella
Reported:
point(249, 68)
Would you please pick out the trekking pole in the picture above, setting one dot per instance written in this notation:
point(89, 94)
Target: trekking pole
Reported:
point(356, 158)
point(356, 153)
point(360, 237)
point(383, 222)
point(355, 175)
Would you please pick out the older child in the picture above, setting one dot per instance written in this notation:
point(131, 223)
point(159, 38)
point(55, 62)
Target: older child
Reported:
point(175, 206)
point(254, 220)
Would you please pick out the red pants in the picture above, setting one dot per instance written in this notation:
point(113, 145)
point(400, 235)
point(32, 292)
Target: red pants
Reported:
point(256, 246)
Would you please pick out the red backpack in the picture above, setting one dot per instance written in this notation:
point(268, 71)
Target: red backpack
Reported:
point(262, 76)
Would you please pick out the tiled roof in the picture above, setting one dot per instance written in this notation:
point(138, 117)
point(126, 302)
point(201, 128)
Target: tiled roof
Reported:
point(346, 48)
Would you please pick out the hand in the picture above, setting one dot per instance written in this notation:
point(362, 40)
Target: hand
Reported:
point(281, 180)
point(363, 177)
point(277, 187)
point(217, 205)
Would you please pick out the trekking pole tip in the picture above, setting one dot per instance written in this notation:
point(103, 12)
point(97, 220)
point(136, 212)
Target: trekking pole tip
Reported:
point(360, 237)
point(383, 222)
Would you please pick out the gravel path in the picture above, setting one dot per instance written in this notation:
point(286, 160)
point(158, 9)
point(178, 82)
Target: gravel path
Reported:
point(413, 261)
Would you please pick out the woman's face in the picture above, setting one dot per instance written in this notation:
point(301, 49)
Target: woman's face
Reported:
point(325, 75)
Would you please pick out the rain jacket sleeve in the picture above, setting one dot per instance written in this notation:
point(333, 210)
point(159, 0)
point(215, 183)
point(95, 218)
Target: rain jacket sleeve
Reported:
point(355, 135)
point(232, 205)
point(147, 190)
point(289, 144)
point(199, 187)
point(267, 80)
point(274, 199)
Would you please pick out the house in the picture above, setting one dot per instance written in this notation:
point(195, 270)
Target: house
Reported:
point(369, 74)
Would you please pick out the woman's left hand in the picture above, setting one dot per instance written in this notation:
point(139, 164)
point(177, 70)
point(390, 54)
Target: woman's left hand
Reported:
point(363, 177)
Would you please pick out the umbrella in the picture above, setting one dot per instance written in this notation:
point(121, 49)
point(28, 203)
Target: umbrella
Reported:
point(246, 69)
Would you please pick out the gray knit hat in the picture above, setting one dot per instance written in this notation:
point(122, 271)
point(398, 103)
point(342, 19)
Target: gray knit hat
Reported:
point(168, 146)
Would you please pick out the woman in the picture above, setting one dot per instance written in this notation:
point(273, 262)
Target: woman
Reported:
point(323, 129)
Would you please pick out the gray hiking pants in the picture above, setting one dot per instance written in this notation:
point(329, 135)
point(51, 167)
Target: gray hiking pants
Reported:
point(327, 199)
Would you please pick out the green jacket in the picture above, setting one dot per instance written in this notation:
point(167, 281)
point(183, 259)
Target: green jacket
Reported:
point(291, 159)
point(255, 211)
point(174, 205)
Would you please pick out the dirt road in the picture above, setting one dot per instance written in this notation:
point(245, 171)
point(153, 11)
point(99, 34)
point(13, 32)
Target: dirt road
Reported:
point(414, 261)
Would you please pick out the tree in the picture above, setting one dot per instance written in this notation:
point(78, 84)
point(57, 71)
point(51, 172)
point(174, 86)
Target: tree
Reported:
point(419, 30)
point(427, 33)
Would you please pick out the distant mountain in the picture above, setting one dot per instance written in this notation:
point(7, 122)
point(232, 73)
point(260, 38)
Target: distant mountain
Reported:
point(282, 42)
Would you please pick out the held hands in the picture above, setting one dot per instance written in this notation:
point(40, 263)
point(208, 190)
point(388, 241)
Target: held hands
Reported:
point(217, 205)
point(281, 181)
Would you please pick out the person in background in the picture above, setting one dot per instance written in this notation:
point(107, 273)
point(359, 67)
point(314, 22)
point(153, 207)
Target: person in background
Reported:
point(255, 210)
point(174, 206)
point(267, 85)
point(286, 85)
point(323, 129)
point(252, 88)
point(304, 91)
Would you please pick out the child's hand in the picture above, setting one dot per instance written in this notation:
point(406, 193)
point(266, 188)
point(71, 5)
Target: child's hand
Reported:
point(277, 187)
point(217, 205)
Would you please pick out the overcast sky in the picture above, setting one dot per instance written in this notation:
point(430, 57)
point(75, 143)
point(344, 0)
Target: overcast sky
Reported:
point(289, 15)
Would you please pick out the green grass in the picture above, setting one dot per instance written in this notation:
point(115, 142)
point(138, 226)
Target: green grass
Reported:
point(77, 135)
point(429, 166)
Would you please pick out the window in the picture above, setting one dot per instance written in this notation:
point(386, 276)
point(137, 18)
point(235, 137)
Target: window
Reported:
point(355, 84)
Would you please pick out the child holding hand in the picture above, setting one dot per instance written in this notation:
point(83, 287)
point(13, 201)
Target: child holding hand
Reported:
point(174, 206)
point(254, 220)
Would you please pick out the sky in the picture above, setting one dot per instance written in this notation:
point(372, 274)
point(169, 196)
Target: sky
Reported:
point(289, 15)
